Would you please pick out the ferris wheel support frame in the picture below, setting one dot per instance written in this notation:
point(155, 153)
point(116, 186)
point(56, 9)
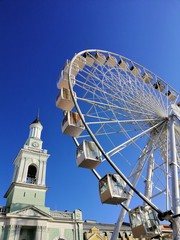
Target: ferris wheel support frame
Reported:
point(148, 185)
point(174, 163)
point(175, 183)
point(123, 211)
point(136, 177)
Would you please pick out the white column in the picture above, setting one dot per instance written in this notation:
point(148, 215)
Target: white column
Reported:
point(44, 233)
point(44, 173)
point(40, 172)
point(15, 173)
point(175, 182)
point(17, 234)
point(11, 232)
point(19, 176)
point(2, 235)
point(38, 233)
point(25, 170)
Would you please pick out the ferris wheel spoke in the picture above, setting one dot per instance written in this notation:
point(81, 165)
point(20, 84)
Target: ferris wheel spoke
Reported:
point(120, 121)
point(141, 90)
point(135, 175)
point(125, 144)
point(110, 107)
point(131, 107)
point(158, 193)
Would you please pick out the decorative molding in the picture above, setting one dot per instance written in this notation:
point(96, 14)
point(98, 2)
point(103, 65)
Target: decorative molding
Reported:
point(31, 212)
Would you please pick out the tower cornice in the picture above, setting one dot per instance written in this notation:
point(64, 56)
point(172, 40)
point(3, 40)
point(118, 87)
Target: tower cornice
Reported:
point(33, 152)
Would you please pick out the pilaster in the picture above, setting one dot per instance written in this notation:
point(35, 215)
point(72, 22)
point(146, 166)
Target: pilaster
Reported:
point(12, 230)
point(38, 233)
point(17, 234)
point(3, 231)
point(44, 233)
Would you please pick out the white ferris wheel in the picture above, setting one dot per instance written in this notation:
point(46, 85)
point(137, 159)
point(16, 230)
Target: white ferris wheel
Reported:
point(125, 121)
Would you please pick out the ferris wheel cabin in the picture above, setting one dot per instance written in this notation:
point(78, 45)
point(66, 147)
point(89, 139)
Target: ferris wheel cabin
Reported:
point(135, 71)
point(89, 59)
point(144, 222)
point(63, 80)
point(147, 78)
point(112, 189)
point(171, 95)
point(159, 86)
point(100, 58)
point(64, 75)
point(80, 61)
point(72, 124)
point(88, 155)
point(64, 100)
point(123, 65)
point(111, 61)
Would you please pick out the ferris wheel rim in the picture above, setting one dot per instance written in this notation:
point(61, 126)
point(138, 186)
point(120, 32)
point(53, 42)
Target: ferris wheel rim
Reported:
point(116, 54)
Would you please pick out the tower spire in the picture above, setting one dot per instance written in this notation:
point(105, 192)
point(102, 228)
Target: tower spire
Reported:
point(38, 114)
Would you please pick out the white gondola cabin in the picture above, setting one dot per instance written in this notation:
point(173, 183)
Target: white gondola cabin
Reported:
point(100, 58)
point(88, 155)
point(72, 124)
point(135, 71)
point(64, 100)
point(63, 80)
point(176, 110)
point(146, 78)
point(171, 95)
point(80, 61)
point(90, 59)
point(123, 65)
point(159, 86)
point(112, 189)
point(144, 222)
point(74, 69)
point(111, 61)
point(64, 75)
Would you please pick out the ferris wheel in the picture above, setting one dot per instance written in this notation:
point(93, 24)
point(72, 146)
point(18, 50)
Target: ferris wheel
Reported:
point(125, 121)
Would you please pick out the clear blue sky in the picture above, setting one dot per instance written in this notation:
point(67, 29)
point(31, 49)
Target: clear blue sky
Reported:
point(36, 37)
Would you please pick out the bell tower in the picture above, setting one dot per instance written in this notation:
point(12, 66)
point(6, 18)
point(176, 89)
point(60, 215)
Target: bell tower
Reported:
point(28, 185)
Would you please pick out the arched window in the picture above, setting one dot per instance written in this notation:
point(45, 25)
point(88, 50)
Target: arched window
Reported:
point(31, 175)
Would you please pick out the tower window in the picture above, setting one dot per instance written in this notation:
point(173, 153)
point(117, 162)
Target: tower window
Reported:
point(31, 175)
point(24, 194)
point(35, 195)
